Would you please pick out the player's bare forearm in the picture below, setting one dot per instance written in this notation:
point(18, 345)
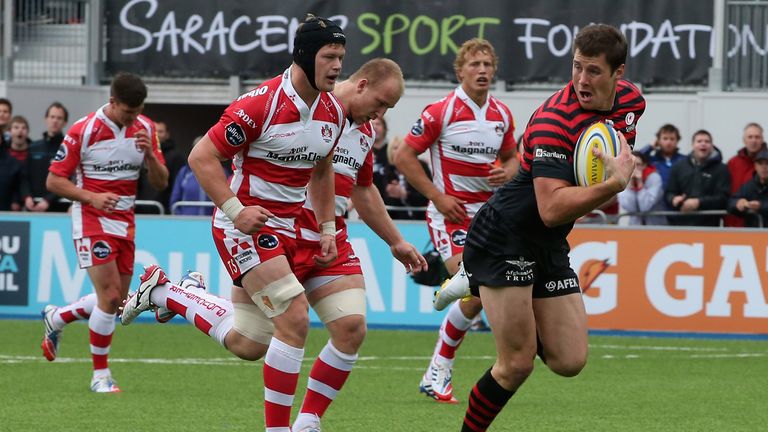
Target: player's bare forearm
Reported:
point(370, 207)
point(407, 162)
point(322, 191)
point(205, 163)
point(63, 187)
point(560, 203)
point(157, 173)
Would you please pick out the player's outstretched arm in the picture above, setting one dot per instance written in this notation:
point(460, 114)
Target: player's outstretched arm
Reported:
point(370, 207)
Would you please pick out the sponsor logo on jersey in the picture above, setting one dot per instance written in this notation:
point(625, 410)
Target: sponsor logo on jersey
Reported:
point(459, 237)
point(520, 270)
point(101, 249)
point(116, 165)
point(418, 128)
point(311, 157)
point(541, 153)
point(255, 92)
point(474, 150)
point(347, 160)
point(246, 118)
point(562, 284)
point(61, 153)
point(364, 145)
point(629, 128)
point(267, 241)
point(327, 133)
point(630, 118)
point(499, 129)
point(234, 134)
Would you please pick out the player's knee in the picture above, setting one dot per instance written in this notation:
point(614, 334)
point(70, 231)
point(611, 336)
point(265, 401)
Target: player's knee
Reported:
point(250, 352)
point(514, 370)
point(567, 367)
point(348, 333)
point(112, 298)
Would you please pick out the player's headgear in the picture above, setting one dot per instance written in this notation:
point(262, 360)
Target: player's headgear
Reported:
point(313, 34)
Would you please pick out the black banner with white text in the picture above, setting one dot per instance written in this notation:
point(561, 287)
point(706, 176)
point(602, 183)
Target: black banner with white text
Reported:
point(670, 43)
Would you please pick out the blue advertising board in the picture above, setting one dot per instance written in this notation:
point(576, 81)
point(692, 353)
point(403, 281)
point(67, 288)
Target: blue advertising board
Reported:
point(38, 265)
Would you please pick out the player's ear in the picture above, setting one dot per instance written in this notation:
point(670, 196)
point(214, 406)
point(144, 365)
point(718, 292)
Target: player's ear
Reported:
point(619, 71)
point(361, 85)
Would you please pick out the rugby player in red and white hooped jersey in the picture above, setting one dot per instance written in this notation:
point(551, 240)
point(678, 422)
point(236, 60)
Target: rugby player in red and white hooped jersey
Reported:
point(279, 136)
point(367, 94)
point(466, 132)
point(337, 292)
point(105, 150)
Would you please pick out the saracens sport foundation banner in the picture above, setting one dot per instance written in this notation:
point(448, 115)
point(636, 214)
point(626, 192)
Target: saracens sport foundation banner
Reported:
point(670, 42)
point(702, 281)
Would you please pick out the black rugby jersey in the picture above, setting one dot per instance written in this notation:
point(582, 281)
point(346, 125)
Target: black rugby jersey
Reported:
point(547, 151)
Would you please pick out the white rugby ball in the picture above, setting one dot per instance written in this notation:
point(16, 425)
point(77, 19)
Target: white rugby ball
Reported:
point(587, 168)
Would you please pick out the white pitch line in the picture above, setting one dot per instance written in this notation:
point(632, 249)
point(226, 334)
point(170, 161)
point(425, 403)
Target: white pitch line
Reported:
point(657, 348)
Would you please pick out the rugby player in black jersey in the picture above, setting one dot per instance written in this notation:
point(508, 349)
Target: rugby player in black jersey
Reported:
point(516, 253)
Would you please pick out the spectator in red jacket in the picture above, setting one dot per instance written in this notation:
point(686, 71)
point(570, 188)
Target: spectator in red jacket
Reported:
point(742, 166)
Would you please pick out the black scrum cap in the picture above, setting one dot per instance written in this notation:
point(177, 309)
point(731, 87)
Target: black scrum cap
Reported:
point(313, 34)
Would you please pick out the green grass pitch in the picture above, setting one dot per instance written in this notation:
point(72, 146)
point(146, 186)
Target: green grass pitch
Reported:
point(175, 379)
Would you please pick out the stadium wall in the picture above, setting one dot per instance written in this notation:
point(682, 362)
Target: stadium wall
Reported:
point(671, 280)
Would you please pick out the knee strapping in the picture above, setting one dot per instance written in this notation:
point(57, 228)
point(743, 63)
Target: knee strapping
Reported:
point(341, 304)
point(251, 322)
point(275, 298)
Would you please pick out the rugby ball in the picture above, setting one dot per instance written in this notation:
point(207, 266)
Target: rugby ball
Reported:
point(587, 168)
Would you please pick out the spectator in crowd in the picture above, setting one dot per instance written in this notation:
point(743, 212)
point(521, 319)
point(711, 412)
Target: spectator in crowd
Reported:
point(752, 197)
point(699, 182)
point(742, 166)
point(13, 181)
point(380, 160)
point(41, 152)
point(644, 193)
point(174, 160)
point(6, 111)
point(187, 188)
point(664, 152)
point(19, 133)
point(398, 192)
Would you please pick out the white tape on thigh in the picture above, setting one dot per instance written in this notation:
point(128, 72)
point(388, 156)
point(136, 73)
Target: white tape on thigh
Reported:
point(275, 298)
point(341, 304)
point(251, 322)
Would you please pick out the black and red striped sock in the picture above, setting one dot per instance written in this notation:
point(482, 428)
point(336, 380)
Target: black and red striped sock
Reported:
point(486, 400)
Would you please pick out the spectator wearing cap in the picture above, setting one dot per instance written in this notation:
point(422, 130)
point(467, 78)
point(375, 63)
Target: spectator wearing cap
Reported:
point(644, 193)
point(752, 197)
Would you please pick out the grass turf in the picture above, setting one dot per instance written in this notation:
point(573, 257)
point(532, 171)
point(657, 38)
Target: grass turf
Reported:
point(174, 378)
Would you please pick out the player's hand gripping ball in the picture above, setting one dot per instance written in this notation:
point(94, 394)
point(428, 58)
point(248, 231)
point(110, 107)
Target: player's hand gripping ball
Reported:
point(588, 168)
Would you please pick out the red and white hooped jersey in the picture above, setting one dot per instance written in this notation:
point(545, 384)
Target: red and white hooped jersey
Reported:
point(275, 140)
point(352, 166)
point(104, 158)
point(464, 140)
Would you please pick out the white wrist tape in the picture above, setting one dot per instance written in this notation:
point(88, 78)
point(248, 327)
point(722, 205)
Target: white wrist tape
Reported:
point(232, 207)
point(328, 228)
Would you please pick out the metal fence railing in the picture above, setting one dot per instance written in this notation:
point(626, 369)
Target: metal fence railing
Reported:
point(46, 41)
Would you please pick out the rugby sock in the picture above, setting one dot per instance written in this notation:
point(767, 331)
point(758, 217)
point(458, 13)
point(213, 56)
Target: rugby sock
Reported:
point(78, 310)
point(326, 379)
point(101, 325)
point(281, 375)
point(211, 314)
point(486, 400)
point(452, 331)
